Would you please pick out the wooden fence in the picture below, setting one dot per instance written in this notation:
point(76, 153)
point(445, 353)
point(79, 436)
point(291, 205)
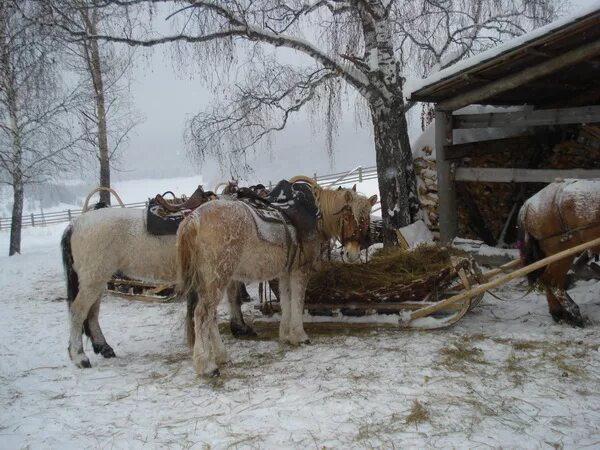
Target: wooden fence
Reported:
point(356, 175)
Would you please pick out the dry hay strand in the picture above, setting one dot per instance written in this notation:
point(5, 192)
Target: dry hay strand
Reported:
point(392, 275)
point(418, 414)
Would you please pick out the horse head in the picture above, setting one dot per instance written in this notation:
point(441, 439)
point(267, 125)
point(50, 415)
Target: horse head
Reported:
point(345, 215)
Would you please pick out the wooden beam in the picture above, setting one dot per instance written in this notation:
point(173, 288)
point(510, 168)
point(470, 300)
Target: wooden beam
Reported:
point(509, 82)
point(590, 95)
point(541, 53)
point(499, 175)
point(542, 117)
point(448, 219)
point(510, 144)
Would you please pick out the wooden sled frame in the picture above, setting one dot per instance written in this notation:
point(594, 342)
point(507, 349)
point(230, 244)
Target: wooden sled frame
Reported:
point(101, 189)
point(420, 315)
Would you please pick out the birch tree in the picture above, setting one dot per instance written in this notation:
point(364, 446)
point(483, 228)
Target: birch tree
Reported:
point(365, 44)
point(34, 132)
point(106, 117)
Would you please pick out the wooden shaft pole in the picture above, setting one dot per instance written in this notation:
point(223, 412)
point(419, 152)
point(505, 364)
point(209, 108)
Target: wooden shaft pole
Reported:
point(505, 279)
point(509, 265)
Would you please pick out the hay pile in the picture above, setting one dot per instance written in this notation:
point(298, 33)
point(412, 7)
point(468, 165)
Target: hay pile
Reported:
point(391, 274)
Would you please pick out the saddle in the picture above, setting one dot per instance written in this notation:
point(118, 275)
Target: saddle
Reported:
point(163, 216)
point(294, 202)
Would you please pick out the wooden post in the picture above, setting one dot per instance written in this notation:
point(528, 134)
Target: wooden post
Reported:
point(32, 220)
point(69, 214)
point(360, 178)
point(446, 189)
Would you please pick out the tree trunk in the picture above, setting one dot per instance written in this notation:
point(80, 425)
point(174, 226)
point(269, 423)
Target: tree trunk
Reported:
point(17, 216)
point(95, 67)
point(395, 169)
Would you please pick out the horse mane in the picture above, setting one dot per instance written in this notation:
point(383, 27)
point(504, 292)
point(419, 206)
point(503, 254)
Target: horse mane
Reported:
point(331, 202)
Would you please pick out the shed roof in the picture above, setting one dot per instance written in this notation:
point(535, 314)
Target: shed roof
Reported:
point(575, 84)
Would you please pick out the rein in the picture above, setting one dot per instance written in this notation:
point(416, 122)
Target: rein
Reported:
point(568, 234)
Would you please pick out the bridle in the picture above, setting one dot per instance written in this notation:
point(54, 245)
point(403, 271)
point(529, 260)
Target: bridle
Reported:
point(360, 233)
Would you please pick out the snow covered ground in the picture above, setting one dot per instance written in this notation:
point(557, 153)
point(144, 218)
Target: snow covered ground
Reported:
point(505, 376)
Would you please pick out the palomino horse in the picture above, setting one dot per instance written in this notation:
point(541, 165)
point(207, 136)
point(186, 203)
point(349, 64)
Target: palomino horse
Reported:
point(224, 242)
point(101, 243)
point(562, 215)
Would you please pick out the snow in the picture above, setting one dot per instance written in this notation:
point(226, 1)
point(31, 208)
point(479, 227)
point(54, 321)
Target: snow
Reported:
point(413, 85)
point(522, 381)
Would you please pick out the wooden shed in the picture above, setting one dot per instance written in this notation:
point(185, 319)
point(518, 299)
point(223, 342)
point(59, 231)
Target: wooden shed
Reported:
point(550, 78)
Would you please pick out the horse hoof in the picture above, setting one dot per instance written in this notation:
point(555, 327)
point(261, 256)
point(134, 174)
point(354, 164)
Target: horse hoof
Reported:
point(575, 320)
point(104, 349)
point(84, 364)
point(242, 330)
point(246, 299)
point(215, 374)
point(108, 352)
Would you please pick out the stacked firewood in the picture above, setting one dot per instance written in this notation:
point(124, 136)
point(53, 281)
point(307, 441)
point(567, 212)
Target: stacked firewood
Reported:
point(425, 169)
point(488, 211)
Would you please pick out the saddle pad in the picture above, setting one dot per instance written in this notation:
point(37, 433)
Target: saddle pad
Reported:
point(272, 226)
point(159, 223)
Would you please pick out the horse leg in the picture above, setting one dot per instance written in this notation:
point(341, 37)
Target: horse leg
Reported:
point(243, 294)
point(217, 343)
point(236, 322)
point(284, 302)
point(562, 307)
point(78, 311)
point(298, 282)
point(99, 343)
point(204, 315)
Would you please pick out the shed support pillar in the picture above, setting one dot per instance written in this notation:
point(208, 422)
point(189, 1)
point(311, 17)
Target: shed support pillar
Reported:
point(445, 179)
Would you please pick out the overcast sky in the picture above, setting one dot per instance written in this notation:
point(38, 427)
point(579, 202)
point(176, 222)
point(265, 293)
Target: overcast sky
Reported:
point(167, 98)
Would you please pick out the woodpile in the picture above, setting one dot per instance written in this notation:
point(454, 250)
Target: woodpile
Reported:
point(487, 211)
point(425, 169)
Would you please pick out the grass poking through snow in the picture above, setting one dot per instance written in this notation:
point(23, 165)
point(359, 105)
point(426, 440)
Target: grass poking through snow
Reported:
point(418, 414)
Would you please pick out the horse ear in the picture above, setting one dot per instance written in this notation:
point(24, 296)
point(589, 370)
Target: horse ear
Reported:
point(354, 188)
point(348, 196)
point(373, 200)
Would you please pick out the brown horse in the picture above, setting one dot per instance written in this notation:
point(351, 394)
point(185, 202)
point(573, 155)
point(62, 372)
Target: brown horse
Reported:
point(562, 215)
point(224, 242)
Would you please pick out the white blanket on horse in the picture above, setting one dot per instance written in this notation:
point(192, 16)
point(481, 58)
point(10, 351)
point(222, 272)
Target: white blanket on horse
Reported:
point(275, 233)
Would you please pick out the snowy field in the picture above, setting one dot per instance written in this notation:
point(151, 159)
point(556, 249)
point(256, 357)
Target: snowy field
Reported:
point(505, 376)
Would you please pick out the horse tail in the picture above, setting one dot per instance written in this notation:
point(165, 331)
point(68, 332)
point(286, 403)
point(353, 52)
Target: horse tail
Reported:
point(70, 272)
point(529, 248)
point(190, 279)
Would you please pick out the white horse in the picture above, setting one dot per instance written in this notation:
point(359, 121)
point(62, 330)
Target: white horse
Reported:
point(97, 245)
point(225, 242)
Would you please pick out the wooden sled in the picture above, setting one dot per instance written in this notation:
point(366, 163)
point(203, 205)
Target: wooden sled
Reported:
point(141, 290)
point(441, 311)
point(349, 309)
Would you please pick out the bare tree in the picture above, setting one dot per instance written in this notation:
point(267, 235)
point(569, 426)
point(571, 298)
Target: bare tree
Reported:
point(363, 43)
point(105, 116)
point(34, 133)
